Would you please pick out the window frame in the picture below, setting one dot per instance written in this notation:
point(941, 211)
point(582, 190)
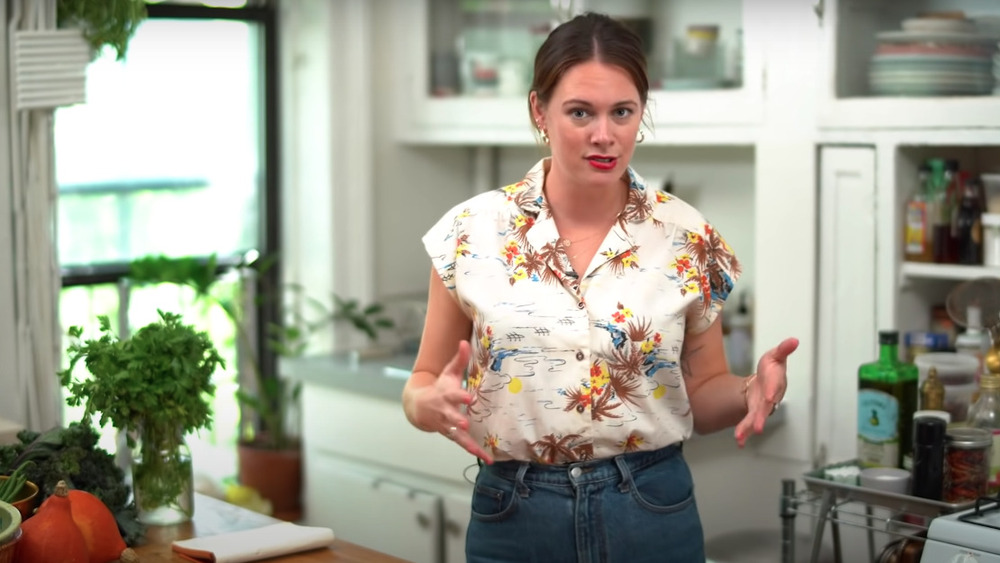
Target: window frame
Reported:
point(268, 311)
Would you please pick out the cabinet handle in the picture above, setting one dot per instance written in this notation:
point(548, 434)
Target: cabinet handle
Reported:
point(818, 8)
point(423, 520)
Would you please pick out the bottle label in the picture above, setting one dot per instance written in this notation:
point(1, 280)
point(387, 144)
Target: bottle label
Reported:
point(916, 228)
point(878, 429)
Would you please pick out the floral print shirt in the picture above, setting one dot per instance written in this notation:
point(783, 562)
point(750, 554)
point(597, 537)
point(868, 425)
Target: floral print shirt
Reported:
point(567, 367)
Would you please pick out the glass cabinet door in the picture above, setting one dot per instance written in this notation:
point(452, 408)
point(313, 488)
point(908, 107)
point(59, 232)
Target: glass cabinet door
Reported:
point(466, 66)
point(912, 63)
point(486, 48)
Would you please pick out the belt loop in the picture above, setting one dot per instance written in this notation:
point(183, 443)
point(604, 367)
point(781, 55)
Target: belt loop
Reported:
point(626, 483)
point(522, 489)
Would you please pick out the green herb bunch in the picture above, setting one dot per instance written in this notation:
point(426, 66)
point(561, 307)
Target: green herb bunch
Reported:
point(156, 385)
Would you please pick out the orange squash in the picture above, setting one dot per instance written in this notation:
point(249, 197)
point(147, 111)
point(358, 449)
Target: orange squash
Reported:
point(51, 536)
point(100, 531)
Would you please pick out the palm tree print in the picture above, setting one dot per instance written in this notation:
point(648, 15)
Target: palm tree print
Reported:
point(556, 450)
point(711, 256)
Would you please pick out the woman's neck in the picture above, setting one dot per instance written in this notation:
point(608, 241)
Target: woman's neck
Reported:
point(584, 204)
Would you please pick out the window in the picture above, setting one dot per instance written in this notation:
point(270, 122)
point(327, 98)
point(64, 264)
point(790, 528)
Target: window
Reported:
point(173, 153)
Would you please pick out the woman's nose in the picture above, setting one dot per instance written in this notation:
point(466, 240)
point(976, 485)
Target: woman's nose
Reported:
point(602, 131)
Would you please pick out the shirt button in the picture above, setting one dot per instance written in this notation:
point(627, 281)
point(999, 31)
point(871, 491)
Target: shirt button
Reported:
point(580, 305)
point(579, 356)
point(575, 472)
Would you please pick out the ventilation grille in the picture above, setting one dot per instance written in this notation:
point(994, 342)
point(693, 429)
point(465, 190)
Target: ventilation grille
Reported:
point(50, 68)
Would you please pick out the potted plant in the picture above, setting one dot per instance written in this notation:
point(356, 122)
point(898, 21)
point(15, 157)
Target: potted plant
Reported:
point(269, 453)
point(109, 22)
point(156, 387)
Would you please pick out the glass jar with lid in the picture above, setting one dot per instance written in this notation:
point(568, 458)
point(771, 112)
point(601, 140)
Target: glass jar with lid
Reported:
point(967, 464)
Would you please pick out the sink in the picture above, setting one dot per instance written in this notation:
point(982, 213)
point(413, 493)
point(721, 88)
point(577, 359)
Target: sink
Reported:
point(396, 373)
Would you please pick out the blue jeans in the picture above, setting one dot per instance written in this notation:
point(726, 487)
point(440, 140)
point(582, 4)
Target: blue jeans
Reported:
point(635, 508)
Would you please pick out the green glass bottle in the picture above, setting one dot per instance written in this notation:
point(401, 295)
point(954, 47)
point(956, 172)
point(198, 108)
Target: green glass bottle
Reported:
point(887, 399)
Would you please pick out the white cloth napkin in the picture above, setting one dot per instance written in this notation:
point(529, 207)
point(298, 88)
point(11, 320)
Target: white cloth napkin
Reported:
point(256, 544)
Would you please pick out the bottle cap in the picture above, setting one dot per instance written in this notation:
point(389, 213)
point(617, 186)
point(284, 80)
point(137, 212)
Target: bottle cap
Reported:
point(888, 337)
point(943, 415)
point(973, 317)
point(989, 381)
point(929, 430)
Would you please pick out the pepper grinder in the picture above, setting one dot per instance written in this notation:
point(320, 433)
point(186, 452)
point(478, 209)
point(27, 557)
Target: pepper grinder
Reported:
point(928, 456)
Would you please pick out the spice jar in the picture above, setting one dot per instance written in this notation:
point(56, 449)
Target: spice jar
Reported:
point(967, 464)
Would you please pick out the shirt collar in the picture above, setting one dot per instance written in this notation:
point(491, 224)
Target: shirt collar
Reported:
point(529, 196)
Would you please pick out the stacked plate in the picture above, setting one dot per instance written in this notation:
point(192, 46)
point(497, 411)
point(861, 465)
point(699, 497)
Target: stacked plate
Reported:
point(934, 57)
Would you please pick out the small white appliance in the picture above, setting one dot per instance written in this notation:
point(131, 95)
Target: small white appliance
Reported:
point(967, 536)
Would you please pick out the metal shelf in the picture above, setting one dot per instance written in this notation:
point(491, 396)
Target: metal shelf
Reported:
point(839, 503)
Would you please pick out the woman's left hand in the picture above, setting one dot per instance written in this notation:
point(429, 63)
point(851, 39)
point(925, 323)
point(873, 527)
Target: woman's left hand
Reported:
point(766, 390)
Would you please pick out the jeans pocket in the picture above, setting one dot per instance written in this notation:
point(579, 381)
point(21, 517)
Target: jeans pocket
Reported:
point(663, 491)
point(493, 498)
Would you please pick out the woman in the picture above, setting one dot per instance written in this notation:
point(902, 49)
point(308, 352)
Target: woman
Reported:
point(585, 307)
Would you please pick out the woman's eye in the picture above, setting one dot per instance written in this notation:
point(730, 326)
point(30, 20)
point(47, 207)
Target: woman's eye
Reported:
point(623, 112)
point(578, 113)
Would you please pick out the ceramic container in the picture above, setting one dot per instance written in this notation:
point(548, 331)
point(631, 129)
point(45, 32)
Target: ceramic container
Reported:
point(888, 479)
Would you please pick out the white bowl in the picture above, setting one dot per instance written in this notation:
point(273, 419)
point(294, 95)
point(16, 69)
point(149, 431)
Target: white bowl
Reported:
point(888, 479)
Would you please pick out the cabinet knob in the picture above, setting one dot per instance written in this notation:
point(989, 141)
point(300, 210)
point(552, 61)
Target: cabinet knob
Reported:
point(423, 520)
point(452, 528)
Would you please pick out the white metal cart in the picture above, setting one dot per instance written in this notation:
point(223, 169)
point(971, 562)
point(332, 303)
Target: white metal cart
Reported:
point(837, 503)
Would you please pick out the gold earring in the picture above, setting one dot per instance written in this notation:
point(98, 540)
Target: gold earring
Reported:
point(544, 135)
point(640, 137)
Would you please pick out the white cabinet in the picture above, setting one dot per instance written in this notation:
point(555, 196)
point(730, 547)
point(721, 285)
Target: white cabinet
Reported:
point(865, 286)
point(377, 481)
point(852, 37)
point(368, 509)
point(440, 43)
point(847, 276)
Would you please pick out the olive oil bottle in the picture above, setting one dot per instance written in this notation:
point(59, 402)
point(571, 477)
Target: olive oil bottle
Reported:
point(887, 399)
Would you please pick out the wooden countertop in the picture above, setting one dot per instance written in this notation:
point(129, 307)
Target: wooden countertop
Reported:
point(213, 517)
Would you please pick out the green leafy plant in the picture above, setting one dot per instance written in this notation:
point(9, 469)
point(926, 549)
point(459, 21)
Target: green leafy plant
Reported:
point(107, 22)
point(72, 454)
point(270, 399)
point(368, 319)
point(157, 386)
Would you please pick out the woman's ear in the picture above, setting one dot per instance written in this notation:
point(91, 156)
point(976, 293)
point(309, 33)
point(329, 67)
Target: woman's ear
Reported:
point(536, 109)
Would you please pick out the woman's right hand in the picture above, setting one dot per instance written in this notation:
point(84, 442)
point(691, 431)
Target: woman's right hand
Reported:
point(440, 407)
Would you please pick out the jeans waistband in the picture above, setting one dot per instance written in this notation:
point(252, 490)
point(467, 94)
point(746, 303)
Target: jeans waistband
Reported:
point(583, 471)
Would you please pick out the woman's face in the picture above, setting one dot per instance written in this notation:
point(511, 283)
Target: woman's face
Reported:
point(592, 120)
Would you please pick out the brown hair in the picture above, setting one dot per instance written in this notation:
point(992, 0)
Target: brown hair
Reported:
point(588, 36)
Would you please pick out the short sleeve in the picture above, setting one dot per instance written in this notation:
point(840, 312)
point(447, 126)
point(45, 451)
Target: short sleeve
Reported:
point(443, 243)
point(718, 269)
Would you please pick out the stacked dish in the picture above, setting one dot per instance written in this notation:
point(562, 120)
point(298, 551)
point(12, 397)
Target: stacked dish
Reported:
point(933, 57)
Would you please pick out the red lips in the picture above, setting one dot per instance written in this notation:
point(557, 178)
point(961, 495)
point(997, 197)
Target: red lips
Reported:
point(602, 162)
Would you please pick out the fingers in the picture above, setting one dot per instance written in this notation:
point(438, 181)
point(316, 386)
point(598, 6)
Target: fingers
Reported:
point(464, 439)
point(456, 367)
point(781, 352)
point(752, 423)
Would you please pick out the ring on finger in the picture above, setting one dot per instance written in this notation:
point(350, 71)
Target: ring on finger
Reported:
point(451, 431)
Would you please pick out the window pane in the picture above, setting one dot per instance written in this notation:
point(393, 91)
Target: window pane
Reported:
point(165, 155)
